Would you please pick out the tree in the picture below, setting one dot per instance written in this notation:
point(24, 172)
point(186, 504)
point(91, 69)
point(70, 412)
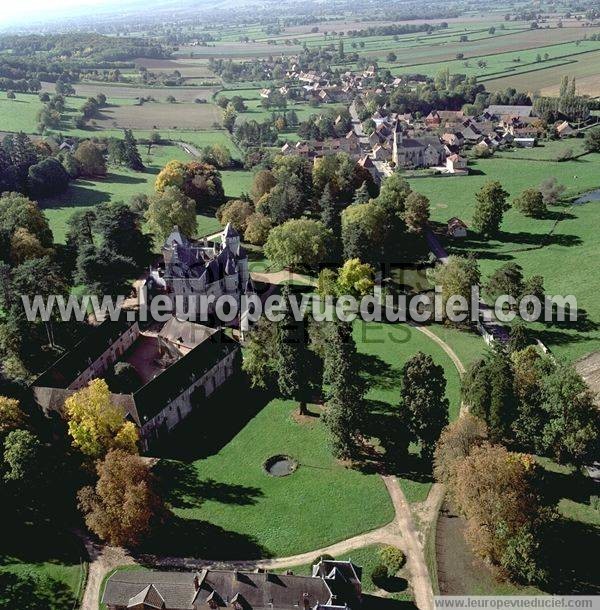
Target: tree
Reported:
point(96, 425)
point(17, 211)
point(355, 278)
point(457, 277)
point(363, 228)
point(283, 202)
point(488, 390)
point(592, 140)
point(229, 117)
point(236, 212)
point(496, 491)
point(262, 183)
point(331, 218)
point(455, 443)
point(491, 205)
point(11, 416)
point(570, 431)
point(423, 395)
point(22, 458)
point(90, 159)
point(416, 213)
point(506, 280)
point(47, 178)
point(132, 157)
point(260, 357)
point(551, 191)
point(123, 507)
point(361, 195)
point(298, 244)
point(344, 390)
point(296, 366)
point(531, 203)
point(124, 378)
point(120, 230)
point(199, 181)
point(257, 230)
point(169, 208)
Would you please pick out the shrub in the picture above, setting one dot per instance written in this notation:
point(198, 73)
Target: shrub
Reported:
point(392, 558)
point(379, 573)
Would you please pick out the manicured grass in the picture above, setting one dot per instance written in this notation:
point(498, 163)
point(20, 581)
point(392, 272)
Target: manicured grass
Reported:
point(19, 114)
point(567, 259)
point(468, 345)
point(53, 556)
point(227, 506)
point(385, 348)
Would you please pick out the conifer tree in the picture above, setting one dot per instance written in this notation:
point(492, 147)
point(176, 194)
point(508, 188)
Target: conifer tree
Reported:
point(132, 155)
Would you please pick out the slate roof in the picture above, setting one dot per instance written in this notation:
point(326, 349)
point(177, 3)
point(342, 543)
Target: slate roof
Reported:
point(151, 398)
point(69, 366)
point(501, 109)
point(187, 591)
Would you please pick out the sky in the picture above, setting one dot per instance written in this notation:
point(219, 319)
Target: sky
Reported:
point(13, 10)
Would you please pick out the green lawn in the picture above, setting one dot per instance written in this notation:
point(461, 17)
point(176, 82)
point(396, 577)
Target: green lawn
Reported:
point(226, 506)
point(567, 261)
point(55, 558)
point(385, 348)
point(120, 184)
point(19, 114)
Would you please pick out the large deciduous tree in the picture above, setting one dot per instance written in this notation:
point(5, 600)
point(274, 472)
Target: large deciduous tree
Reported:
point(423, 395)
point(123, 507)
point(96, 424)
point(489, 210)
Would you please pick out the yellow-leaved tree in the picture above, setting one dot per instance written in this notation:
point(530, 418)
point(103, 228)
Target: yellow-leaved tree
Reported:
point(11, 416)
point(174, 173)
point(96, 425)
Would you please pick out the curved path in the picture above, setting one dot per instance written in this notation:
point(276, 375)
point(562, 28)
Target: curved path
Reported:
point(401, 532)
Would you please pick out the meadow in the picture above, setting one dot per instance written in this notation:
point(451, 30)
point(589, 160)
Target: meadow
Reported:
point(121, 184)
point(566, 258)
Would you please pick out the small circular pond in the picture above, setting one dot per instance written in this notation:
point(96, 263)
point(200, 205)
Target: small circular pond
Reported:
point(280, 465)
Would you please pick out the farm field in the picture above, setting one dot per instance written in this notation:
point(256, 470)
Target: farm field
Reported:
point(565, 261)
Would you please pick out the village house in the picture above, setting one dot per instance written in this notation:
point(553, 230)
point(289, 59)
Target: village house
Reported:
point(564, 130)
point(456, 228)
point(455, 164)
point(333, 585)
point(417, 152)
point(178, 369)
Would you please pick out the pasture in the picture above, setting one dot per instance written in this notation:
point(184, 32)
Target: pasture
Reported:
point(566, 257)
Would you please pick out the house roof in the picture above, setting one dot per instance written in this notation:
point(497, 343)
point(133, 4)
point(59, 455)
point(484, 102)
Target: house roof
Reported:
point(69, 366)
point(502, 109)
point(184, 333)
point(185, 591)
point(151, 398)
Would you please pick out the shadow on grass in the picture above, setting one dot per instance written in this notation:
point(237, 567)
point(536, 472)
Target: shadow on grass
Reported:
point(182, 487)
point(204, 432)
point(193, 538)
point(372, 602)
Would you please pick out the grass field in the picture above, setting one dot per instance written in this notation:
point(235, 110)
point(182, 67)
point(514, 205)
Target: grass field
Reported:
point(384, 349)
point(567, 259)
point(46, 553)
point(120, 184)
point(227, 506)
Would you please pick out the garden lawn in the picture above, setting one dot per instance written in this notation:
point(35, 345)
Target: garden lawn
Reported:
point(384, 349)
point(243, 512)
point(567, 260)
point(55, 557)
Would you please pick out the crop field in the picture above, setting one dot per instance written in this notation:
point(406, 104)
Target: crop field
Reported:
point(546, 78)
point(567, 257)
point(160, 94)
point(150, 115)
